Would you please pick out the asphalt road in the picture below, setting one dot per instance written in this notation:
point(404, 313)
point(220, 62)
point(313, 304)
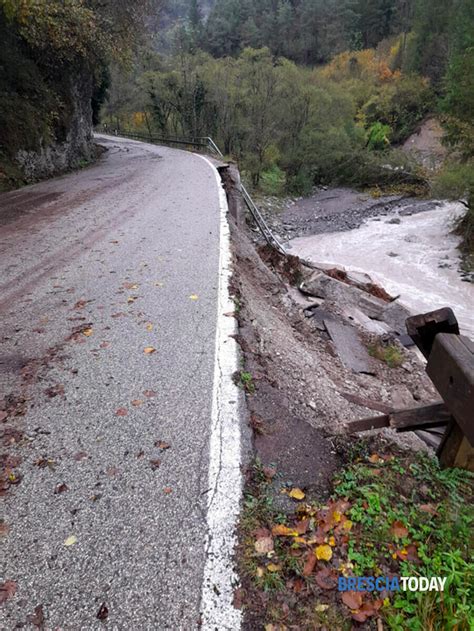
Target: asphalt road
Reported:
point(96, 267)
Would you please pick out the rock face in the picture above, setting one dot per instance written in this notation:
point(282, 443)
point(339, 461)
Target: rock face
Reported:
point(75, 147)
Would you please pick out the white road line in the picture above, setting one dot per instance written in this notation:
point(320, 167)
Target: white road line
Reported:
point(225, 478)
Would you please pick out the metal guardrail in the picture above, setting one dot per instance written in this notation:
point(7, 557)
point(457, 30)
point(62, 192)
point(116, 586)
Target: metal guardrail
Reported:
point(206, 142)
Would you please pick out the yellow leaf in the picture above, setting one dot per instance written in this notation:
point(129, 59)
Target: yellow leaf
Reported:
point(323, 553)
point(332, 541)
point(148, 350)
point(70, 541)
point(131, 299)
point(283, 531)
point(87, 332)
point(194, 297)
point(296, 494)
point(347, 525)
point(273, 567)
point(386, 602)
point(337, 515)
point(321, 608)
point(149, 326)
point(375, 459)
point(260, 572)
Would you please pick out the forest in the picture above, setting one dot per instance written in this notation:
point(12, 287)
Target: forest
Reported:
point(299, 92)
point(309, 92)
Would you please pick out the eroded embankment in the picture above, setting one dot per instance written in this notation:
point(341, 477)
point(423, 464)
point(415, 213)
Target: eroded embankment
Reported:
point(301, 390)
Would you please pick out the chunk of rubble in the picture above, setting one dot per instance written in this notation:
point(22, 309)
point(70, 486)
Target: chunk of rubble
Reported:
point(349, 348)
point(321, 285)
point(359, 305)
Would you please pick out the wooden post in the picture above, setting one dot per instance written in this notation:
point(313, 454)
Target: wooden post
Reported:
point(451, 369)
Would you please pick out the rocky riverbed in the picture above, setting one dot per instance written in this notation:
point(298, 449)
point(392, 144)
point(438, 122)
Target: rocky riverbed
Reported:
point(405, 244)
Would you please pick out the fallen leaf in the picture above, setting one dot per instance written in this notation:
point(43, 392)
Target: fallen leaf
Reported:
point(283, 531)
point(148, 350)
point(70, 541)
point(61, 488)
point(428, 508)
point(103, 612)
point(353, 600)
point(155, 464)
point(3, 415)
point(149, 393)
point(4, 528)
point(366, 610)
point(347, 525)
point(81, 455)
point(309, 564)
point(332, 541)
point(130, 286)
point(7, 590)
point(273, 567)
point(260, 572)
point(269, 472)
point(87, 332)
point(398, 529)
point(37, 619)
point(167, 490)
point(325, 579)
point(302, 526)
point(121, 412)
point(238, 598)
point(321, 608)
point(54, 391)
point(375, 459)
point(162, 445)
point(298, 585)
point(194, 297)
point(137, 402)
point(105, 345)
point(323, 552)
point(263, 545)
point(412, 553)
point(296, 494)
point(44, 462)
point(149, 326)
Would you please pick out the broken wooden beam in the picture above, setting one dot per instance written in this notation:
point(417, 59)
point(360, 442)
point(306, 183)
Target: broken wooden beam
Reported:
point(424, 327)
point(451, 369)
point(421, 416)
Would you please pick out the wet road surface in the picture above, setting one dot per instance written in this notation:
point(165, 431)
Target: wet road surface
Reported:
point(108, 294)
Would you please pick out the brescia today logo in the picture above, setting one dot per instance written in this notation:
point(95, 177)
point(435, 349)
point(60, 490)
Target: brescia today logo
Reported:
point(391, 583)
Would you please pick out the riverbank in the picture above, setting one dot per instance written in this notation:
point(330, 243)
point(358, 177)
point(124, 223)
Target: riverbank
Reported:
point(406, 245)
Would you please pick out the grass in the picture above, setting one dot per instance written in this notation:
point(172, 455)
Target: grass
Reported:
point(390, 354)
point(396, 514)
point(246, 381)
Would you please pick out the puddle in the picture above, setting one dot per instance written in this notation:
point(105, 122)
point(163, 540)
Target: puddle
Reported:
point(416, 259)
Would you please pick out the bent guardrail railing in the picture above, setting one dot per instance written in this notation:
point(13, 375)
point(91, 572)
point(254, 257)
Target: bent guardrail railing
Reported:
point(206, 142)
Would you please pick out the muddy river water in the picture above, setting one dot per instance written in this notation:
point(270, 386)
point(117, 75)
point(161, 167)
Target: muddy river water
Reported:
point(414, 256)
